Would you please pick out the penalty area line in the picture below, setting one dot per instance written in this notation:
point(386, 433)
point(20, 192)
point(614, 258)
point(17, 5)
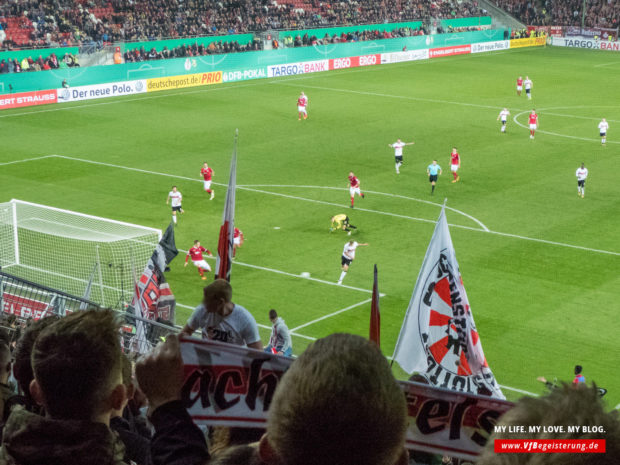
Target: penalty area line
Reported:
point(293, 275)
point(330, 315)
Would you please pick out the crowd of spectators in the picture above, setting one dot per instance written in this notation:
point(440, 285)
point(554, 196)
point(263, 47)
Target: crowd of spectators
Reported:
point(190, 50)
point(69, 395)
point(599, 13)
point(70, 22)
point(27, 64)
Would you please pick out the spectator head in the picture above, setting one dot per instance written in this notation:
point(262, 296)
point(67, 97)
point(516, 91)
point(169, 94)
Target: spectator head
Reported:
point(77, 367)
point(5, 362)
point(578, 368)
point(561, 407)
point(22, 368)
point(273, 315)
point(315, 415)
point(217, 296)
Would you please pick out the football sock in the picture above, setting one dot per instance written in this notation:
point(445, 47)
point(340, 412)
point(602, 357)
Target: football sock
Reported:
point(342, 275)
point(174, 218)
point(432, 188)
point(503, 128)
point(603, 140)
point(351, 226)
point(454, 175)
point(352, 201)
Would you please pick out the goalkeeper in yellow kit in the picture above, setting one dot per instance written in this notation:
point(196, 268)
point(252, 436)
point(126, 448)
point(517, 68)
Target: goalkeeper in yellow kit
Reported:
point(341, 222)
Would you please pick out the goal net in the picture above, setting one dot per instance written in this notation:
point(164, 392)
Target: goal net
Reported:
point(67, 250)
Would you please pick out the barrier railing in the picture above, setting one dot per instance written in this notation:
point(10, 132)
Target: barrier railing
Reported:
point(27, 301)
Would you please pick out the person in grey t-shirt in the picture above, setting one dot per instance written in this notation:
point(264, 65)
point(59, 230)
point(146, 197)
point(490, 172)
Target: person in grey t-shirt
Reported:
point(280, 340)
point(222, 320)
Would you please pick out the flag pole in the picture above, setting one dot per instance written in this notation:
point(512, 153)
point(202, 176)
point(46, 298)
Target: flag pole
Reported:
point(417, 279)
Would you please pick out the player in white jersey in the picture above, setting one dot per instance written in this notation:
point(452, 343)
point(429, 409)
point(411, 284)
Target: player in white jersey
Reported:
point(175, 197)
point(398, 152)
point(603, 126)
point(528, 84)
point(348, 255)
point(503, 115)
point(582, 174)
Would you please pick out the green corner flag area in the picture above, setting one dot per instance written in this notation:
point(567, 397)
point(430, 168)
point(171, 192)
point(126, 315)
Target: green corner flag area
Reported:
point(539, 260)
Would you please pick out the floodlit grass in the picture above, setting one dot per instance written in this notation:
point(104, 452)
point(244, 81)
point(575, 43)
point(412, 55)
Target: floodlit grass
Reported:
point(541, 306)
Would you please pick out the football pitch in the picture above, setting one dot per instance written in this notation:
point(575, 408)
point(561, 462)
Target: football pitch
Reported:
point(541, 265)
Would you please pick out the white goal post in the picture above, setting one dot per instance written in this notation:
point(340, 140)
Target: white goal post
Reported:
point(67, 250)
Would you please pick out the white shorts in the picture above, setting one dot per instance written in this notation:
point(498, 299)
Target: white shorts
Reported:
point(519, 88)
point(202, 264)
point(301, 109)
point(355, 190)
point(454, 168)
point(533, 126)
point(207, 185)
point(237, 240)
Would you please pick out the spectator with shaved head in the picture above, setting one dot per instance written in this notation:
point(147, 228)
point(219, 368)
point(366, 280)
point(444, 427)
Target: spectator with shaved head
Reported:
point(338, 404)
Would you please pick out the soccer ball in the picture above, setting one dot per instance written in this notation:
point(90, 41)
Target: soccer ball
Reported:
point(305, 274)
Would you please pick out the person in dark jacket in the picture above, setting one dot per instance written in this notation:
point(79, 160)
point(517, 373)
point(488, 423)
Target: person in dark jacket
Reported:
point(137, 446)
point(177, 440)
point(76, 363)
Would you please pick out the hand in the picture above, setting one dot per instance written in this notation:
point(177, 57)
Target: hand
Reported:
point(160, 373)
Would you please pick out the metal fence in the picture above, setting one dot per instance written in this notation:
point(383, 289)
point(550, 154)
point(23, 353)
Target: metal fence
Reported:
point(23, 301)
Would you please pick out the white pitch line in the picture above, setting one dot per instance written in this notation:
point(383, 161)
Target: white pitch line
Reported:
point(324, 317)
point(521, 391)
point(588, 139)
point(403, 97)
point(277, 194)
point(428, 202)
point(617, 62)
point(515, 236)
point(447, 102)
point(26, 160)
point(293, 275)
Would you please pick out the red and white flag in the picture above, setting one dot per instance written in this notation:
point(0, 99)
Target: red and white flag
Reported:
point(227, 231)
point(438, 338)
point(375, 315)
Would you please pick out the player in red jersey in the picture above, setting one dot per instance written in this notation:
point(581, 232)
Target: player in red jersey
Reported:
point(354, 187)
point(519, 85)
point(237, 240)
point(302, 103)
point(207, 174)
point(197, 258)
point(455, 164)
point(533, 123)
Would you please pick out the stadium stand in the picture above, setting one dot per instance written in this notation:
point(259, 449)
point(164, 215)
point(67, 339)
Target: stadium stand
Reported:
point(600, 13)
point(30, 24)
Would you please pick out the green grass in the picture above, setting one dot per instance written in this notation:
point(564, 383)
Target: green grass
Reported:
point(540, 307)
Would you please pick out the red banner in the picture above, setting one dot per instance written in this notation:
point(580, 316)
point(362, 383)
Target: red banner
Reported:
point(229, 385)
point(450, 51)
point(556, 31)
point(27, 99)
point(22, 307)
point(354, 62)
